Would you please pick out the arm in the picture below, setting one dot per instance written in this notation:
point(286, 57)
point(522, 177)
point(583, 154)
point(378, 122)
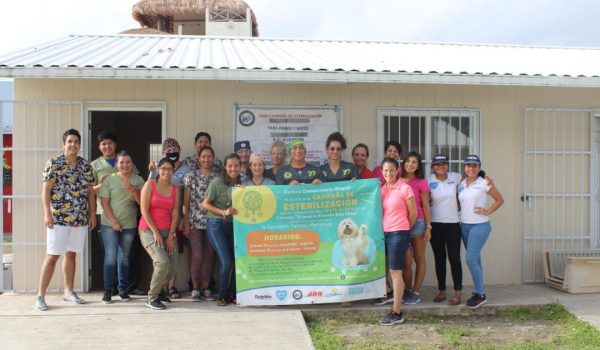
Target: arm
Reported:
point(134, 191)
point(187, 195)
point(144, 209)
point(411, 205)
point(46, 194)
point(498, 201)
point(174, 221)
point(427, 213)
point(207, 204)
point(105, 201)
point(91, 198)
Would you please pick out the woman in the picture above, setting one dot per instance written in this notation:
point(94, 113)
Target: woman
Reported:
point(202, 255)
point(420, 233)
point(299, 171)
point(445, 231)
point(220, 225)
point(119, 196)
point(256, 175)
point(278, 155)
point(159, 204)
point(475, 222)
point(392, 150)
point(399, 215)
point(336, 169)
point(360, 156)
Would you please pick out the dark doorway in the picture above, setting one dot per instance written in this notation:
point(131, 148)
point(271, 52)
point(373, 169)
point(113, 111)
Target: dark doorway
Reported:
point(135, 131)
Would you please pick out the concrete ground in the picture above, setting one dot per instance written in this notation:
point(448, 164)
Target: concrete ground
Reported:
point(186, 325)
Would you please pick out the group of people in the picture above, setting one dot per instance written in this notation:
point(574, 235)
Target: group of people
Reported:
point(190, 200)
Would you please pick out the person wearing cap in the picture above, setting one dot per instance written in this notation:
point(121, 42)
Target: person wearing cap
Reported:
point(298, 171)
point(475, 223)
point(445, 221)
point(278, 154)
point(360, 156)
point(393, 150)
point(256, 174)
point(243, 149)
point(202, 139)
point(337, 169)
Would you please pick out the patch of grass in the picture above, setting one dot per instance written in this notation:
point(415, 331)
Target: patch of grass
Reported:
point(579, 335)
point(323, 334)
point(453, 335)
point(551, 312)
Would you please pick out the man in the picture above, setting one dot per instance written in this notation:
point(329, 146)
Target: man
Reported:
point(69, 210)
point(298, 171)
point(202, 139)
point(242, 149)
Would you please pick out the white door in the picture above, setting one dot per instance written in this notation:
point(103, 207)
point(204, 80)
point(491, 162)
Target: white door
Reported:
point(559, 178)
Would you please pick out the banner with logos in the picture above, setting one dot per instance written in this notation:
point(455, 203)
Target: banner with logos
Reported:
point(262, 125)
point(309, 244)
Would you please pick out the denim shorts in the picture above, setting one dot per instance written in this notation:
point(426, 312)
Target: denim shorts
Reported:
point(418, 228)
point(396, 244)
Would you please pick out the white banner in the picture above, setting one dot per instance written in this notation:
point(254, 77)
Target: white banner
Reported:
point(264, 125)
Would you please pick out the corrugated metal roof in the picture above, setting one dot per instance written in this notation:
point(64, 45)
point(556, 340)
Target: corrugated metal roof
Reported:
point(260, 59)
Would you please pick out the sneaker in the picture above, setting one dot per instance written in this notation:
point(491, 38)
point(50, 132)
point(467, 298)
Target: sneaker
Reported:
point(40, 303)
point(207, 294)
point(385, 300)
point(196, 295)
point(124, 296)
point(155, 304)
point(106, 299)
point(72, 297)
point(476, 300)
point(163, 299)
point(411, 298)
point(392, 318)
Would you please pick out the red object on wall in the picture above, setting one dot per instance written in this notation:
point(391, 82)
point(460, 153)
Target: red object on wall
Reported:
point(7, 184)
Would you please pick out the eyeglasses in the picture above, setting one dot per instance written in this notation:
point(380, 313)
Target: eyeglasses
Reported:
point(333, 149)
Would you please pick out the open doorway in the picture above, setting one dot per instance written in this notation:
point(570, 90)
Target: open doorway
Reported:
point(136, 131)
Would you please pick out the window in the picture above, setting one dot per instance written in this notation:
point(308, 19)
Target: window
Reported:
point(454, 132)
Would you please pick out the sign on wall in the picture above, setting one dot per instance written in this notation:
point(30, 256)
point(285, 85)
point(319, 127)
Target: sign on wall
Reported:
point(309, 244)
point(262, 125)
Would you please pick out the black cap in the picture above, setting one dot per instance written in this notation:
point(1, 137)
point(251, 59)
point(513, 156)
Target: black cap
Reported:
point(473, 159)
point(440, 158)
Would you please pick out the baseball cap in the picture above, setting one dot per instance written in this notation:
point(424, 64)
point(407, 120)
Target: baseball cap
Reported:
point(241, 145)
point(472, 159)
point(440, 158)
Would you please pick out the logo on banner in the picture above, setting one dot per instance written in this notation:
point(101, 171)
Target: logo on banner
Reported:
point(281, 294)
point(297, 294)
point(258, 204)
point(246, 118)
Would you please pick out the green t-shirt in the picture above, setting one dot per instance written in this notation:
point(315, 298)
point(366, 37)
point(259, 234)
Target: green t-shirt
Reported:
point(101, 167)
point(220, 196)
point(121, 200)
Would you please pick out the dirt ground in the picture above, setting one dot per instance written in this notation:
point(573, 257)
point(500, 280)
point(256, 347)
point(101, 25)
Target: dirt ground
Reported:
point(448, 332)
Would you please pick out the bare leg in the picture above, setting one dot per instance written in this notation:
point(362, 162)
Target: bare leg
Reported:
point(68, 267)
point(398, 287)
point(407, 272)
point(46, 273)
point(418, 244)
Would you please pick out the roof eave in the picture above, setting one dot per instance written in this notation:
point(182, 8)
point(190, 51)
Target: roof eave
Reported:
point(293, 76)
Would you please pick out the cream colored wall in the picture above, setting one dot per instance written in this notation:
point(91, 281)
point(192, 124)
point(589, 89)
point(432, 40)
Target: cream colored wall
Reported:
point(208, 106)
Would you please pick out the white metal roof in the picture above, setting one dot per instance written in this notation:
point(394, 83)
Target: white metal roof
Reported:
point(296, 60)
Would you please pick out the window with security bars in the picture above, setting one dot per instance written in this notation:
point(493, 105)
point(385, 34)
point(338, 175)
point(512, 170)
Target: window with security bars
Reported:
point(454, 132)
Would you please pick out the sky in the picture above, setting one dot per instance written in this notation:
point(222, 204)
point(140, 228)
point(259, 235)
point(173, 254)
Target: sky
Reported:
point(526, 22)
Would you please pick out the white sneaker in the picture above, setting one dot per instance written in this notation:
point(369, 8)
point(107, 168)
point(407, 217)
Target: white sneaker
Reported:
point(40, 303)
point(72, 297)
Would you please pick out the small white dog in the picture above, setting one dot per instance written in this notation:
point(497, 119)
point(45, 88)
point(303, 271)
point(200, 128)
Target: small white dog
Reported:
point(354, 241)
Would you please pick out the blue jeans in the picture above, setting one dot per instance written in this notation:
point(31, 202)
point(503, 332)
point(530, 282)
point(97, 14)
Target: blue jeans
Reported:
point(396, 245)
point(474, 236)
point(220, 235)
point(117, 246)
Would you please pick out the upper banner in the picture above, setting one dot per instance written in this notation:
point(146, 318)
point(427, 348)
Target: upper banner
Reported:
point(309, 243)
point(263, 125)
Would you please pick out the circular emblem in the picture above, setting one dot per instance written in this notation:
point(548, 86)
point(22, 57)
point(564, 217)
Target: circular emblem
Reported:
point(246, 118)
point(255, 204)
point(179, 175)
point(297, 294)
point(433, 185)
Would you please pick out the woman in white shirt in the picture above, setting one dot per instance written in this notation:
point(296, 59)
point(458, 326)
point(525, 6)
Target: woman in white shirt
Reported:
point(445, 222)
point(475, 223)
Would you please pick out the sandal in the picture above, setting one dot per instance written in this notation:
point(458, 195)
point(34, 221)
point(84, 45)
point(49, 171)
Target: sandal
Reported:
point(440, 297)
point(221, 302)
point(174, 293)
point(454, 301)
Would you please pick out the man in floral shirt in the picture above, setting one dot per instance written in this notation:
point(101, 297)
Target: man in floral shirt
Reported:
point(69, 210)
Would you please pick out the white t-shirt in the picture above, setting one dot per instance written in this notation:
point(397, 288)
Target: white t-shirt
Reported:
point(472, 197)
point(444, 206)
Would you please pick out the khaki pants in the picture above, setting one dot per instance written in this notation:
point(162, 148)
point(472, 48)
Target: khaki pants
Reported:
point(164, 264)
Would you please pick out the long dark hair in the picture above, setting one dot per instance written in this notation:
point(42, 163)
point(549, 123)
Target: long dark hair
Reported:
point(420, 173)
point(226, 180)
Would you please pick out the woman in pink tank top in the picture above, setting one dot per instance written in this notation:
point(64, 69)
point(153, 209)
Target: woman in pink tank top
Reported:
point(159, 204)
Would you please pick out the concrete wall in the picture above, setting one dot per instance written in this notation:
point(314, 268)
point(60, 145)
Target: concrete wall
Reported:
point(207, 105)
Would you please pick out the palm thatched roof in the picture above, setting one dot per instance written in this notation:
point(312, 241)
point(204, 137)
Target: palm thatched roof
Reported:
point(144, 30)
point(148, 12)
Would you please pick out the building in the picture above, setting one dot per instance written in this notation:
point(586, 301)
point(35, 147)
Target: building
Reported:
point(531, 112)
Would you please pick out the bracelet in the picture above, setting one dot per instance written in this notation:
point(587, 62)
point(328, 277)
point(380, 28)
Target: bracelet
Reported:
point(428, 226)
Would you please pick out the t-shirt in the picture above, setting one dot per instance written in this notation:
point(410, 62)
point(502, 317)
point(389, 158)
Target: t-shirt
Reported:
point(121, 201)
point(101, 167)
point(393, 204)
point(304, 175)
point(419, 186)
point(346, 171)
point(366, 174)
point(197, 183)
point(472, 197)
point(265, 182)
point(160, 208)
point(69, 194)
point(444, 204)
point(219, 195)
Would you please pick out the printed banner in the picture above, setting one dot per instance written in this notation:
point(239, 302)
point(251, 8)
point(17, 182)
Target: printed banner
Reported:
point(262, 126)
point(309, 243)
